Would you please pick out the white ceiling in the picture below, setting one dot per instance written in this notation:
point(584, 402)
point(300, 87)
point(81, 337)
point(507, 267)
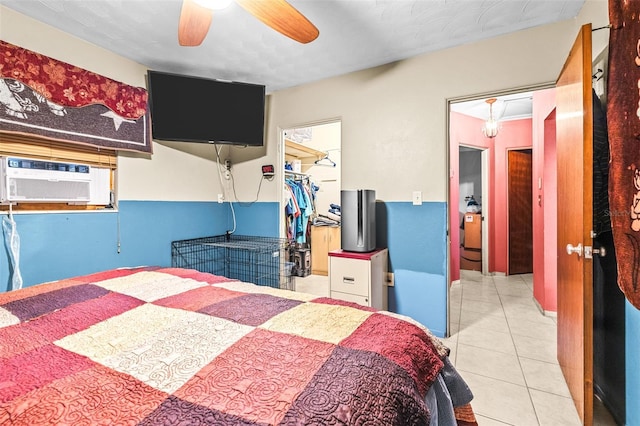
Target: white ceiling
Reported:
point(354, 34)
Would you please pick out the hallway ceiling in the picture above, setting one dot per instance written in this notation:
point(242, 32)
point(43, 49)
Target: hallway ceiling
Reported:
point(515, 106)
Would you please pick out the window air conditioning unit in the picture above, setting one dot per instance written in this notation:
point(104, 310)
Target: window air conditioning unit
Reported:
point(30, 180)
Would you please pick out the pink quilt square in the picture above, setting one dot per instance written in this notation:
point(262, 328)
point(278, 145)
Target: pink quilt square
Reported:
point(258, 377)
point(401, 342)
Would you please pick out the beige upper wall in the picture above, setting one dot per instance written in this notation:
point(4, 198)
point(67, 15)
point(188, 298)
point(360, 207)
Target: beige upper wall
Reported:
point(175, 171)
point(393, 116)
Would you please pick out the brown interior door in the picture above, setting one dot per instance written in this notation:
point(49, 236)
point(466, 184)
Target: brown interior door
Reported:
point(520, 212)
point(575, 192)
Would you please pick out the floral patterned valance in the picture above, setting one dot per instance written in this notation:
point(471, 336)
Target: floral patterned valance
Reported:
point(55, 100)
point(68, 85)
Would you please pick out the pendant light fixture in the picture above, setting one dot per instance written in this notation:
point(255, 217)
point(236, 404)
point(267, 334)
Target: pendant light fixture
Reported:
point(490, 128)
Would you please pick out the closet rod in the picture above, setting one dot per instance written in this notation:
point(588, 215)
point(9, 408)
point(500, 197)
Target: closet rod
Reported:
point(291, 172)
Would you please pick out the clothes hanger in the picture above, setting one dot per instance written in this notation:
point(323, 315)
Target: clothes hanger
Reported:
point(326, 157)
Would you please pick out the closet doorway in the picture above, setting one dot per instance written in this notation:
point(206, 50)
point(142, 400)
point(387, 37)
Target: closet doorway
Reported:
point(311, 165)
point(473, 190)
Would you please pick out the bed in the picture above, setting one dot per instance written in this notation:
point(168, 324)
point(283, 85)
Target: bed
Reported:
point(170, 346)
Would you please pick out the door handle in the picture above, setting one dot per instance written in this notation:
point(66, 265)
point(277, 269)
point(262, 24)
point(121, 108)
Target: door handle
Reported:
point(577, 249)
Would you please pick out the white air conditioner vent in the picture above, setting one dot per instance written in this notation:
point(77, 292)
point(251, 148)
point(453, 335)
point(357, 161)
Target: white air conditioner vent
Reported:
point(30, 180)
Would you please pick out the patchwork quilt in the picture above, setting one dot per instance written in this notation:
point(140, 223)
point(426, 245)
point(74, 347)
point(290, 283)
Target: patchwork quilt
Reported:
point(167, 346)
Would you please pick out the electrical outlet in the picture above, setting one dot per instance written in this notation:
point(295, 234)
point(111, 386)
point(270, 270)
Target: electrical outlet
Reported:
point(417, 198)
point(390, 282)
point(220, 198)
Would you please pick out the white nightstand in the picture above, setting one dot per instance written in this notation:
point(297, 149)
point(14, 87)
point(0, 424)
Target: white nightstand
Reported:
point(359, 277)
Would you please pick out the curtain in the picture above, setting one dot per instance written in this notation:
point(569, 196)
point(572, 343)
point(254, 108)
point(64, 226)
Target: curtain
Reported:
point(51, 99)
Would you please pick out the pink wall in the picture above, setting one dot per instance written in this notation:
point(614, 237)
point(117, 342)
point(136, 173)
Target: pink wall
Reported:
point(544, 212)
point(465, 130)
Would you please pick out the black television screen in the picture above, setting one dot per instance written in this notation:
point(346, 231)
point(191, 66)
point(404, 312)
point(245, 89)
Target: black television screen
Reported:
point(194, 109)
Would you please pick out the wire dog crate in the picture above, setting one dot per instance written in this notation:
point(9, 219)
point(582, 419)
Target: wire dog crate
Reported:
point(259, 260)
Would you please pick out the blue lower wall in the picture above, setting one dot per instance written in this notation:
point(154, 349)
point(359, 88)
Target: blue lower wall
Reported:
point(259, 219)
point(62, 245)
point(417, 240)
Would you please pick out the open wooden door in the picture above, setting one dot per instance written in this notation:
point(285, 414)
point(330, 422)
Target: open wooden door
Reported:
point(574, 123)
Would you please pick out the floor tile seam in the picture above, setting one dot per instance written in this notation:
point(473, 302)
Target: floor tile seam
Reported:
point(535, 411)
point(516, 295)
point(549, 393)
point(480, 297)
point(533, 337)
point(483, 329)
point(524, 377)
point(494, 419)
point(492, 378)
point(472, 323)
point(490, 350)
point(515, 319)
point(473, 299)
point(498, 312)
point(519, 319)
point(537, 359)
point(464, 327)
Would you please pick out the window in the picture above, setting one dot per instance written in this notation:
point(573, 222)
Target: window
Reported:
point(31, 147)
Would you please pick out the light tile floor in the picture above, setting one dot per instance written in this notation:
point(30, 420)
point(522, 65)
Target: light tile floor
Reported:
point(505, 349)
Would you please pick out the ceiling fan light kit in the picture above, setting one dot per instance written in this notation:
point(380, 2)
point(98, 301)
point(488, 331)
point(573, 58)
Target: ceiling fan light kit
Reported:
point(196, 16)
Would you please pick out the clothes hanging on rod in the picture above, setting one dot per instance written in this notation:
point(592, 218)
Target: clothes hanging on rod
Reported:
point(299, 195)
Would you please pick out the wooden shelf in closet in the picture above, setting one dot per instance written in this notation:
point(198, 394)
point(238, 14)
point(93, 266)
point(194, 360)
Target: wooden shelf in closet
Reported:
point(297, 151)
point(323, 240)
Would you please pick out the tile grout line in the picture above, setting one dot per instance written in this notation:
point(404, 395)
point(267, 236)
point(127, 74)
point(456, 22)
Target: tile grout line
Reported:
point(526, 386)
point(524, 377)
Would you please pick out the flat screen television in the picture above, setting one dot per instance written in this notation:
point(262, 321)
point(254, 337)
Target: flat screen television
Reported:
point(194, 109)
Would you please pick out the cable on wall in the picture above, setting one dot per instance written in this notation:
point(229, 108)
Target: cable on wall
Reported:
point(219, 164)
point(248, 203)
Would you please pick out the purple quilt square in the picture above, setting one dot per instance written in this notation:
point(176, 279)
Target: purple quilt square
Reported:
point(178, 412)
point(35, 306)
point(359, 387)
point(251, 309)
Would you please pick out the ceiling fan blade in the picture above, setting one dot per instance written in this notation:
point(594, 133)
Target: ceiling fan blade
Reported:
point(282, 17)
point(194, 23)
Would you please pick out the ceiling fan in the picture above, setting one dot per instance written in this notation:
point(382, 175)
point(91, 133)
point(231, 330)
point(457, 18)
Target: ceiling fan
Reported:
point(195, 19)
